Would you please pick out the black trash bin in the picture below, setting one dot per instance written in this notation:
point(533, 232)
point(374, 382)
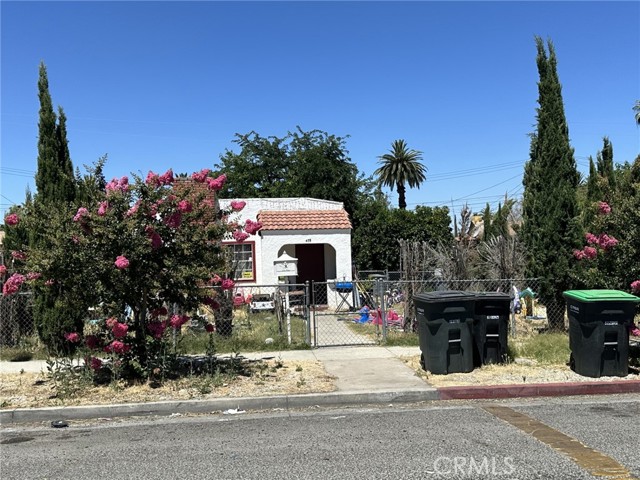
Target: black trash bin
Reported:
point(491, 327)
point(598, 331)
point(445, 323)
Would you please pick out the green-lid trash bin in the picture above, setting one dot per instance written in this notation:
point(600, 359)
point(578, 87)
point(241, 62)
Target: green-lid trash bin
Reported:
point(598, 331)
point(491, 327)
point(445, 323)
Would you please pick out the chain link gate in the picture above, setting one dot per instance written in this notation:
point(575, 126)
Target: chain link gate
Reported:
point(338, 316)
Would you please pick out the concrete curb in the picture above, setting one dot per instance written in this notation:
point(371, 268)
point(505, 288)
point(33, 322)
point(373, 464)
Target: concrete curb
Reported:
point(25, 415)
point(538, 390)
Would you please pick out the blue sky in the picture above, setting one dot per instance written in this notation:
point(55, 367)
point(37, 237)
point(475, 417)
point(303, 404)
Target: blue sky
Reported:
point(167, 84)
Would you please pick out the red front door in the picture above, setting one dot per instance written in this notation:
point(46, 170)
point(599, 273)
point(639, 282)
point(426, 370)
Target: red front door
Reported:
point(311, 268)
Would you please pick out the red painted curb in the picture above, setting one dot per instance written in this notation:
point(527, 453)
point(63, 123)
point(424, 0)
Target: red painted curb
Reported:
point(538, 390)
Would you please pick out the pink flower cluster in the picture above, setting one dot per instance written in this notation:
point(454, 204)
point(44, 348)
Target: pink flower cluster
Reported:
point(119, 330)
point(13, 283)
point(177, 321)
point(227, 284)
point(635, 287)
point(117, 347)
point(604, 208)
point(587, 252)
point(237, 205)
point(157, 328)
point(3, 270)
point(72, 337)
point(155, 180)
point(604, 241)
point(95, 363)
point(81, 214)
point(33, 276)
point(184, 206)
point(19, 255)
point(252, 227)
point(12, 220)
point(156, 239)
point(201, 176)
point(607, 242)
point(240, 236)
point(102, 209)
point(117, 185)
point(133, 209)
point(217, 183)
point(121, 262)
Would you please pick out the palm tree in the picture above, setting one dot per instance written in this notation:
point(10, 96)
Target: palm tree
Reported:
point(399, 167)
point(636, 108)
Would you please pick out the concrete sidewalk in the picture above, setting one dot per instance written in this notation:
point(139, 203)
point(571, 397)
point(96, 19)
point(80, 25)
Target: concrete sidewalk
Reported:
point(364, 375)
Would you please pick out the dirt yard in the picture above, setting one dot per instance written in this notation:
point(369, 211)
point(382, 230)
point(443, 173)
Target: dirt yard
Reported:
point(29, 390)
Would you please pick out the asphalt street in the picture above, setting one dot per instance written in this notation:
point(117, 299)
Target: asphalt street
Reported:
point(583, 438)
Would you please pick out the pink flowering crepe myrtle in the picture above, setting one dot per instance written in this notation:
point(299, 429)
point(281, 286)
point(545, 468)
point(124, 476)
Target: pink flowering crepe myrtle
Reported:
point(119, 330)
point(157, 328)
point(176, 321)
point(13, 283)
point(19, 255)
point(72, 337)
point(81, 215)
point(121, 262)
point(117, 347)
point(155, 181)
point(117, 185)
point(12, 220)
point(217, 183)
point(604, 241)
point(102, 208)
point(201, 176)
point(252, 227)
point(237, 205)
point(635, 287)
point(604, 208)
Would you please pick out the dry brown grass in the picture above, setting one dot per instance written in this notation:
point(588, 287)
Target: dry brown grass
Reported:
point(29, 390)
point(507, 374)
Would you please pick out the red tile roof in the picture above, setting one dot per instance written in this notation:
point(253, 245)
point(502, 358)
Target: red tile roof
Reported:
point(304, 219)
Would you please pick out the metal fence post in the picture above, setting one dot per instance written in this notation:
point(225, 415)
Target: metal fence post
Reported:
point(383, 308)
point(307, 313)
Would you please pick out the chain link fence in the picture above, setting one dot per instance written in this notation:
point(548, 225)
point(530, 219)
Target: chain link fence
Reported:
point(16, 319)
point(358, 312)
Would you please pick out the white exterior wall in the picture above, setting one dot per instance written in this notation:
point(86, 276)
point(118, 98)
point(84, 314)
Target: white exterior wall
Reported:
point(273, 243)
point(268, 244)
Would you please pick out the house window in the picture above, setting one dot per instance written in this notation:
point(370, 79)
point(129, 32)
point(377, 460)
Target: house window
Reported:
point(243, 260)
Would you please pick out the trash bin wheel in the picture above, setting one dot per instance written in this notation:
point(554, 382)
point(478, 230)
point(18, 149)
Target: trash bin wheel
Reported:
point(422, 364)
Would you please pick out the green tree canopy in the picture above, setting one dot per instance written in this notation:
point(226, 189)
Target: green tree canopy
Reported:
point(301, 164)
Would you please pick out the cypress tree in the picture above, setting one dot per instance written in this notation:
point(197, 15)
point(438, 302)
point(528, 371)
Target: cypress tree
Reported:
point(593, 186)
point(550, 211)
point(66, 186)
point(486, 223)
point(47, 174)
point(56, 189)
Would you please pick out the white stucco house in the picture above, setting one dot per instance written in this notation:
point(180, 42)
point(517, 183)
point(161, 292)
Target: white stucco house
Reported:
point(315, 232)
